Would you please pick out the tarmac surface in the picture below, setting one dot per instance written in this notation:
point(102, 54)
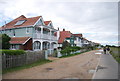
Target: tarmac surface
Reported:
point(107, 68)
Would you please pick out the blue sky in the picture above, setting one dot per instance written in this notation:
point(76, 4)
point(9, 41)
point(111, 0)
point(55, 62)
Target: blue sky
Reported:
point(98, 21)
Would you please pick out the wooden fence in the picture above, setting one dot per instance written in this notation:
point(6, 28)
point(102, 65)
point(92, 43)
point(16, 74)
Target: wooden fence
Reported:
point(9, 61)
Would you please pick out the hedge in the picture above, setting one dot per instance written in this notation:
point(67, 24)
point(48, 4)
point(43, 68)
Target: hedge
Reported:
point(13, 52)
point(67, 50)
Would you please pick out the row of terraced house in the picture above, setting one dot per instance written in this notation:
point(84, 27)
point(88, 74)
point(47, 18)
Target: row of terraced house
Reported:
point(36, 34)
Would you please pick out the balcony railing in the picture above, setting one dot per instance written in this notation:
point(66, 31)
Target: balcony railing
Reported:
point(44, 36)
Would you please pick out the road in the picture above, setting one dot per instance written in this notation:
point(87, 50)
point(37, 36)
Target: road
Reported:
point(107, 68)
point(72, 67)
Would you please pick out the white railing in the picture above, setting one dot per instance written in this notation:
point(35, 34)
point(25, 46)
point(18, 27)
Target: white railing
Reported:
point(53, 37)
point(36, 35)
point(44, 36)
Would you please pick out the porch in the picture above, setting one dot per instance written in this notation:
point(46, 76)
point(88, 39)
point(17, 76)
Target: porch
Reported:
point(44, 45)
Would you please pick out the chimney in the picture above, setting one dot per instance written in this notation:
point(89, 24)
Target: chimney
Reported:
point(58, 28)
point(58, 34)
point(63, 29)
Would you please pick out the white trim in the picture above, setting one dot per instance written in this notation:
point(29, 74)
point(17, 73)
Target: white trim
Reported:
point(38, 20)
point(17, 27)
point(51, 24)
point(26, 41)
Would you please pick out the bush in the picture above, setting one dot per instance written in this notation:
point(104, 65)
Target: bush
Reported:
point(12, 52)
point(63, 52)
point(65, 45)
point(5, 41)
point(67, 50)
point(55, 53)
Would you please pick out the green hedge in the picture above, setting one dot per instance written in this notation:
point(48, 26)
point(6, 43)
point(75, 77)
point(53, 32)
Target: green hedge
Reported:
point(13, 52)
point(67, 50)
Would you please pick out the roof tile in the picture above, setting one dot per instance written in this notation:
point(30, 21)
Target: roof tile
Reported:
point(63, 35)
point(47, 22)
point(28, 22)
point(18, 40)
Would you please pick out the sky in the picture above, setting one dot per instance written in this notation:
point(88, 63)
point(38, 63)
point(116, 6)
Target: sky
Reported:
point(97, 21)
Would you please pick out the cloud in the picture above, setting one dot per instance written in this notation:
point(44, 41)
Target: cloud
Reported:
point(98, 21)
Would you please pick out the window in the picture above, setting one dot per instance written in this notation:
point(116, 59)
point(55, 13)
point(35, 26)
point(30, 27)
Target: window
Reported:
point(41, 22)
point(50, 25)
point(20, 22)
point(10, 30)
point(13, 32)
point(37, 45)
point(27, 30)
point(13, 46)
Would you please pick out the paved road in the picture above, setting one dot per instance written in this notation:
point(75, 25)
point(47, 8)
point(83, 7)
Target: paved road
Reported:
point(107, 68)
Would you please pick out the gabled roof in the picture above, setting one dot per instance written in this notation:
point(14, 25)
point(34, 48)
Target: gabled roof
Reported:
point(28, 22)
point(19, 40)
point(78, 35)
point(64, 35)
point(47, 22)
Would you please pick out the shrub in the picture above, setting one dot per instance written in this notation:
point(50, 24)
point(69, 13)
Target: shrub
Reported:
point(67, 50)
point(55, 53)
point(65, 45)
point(76, 47)
point(5, 41)
point(12, 52)
point(63, 52)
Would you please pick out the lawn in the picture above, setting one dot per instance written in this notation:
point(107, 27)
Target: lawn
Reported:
point(40, 62)
point(115, 51)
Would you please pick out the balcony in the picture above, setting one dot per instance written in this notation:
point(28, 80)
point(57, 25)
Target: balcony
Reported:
point(44, 36)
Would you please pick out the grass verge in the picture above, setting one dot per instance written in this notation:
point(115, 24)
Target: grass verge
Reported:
point(39, 62)
point(115, 52)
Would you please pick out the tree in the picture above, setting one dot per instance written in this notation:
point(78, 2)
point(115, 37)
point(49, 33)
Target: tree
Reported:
point(65, 44)
point(5, 41)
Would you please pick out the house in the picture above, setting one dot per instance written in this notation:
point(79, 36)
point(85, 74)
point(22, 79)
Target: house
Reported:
point(73, 39)
point(85, 42)
point(30, 33)
point(64, 36)
point(78, 39)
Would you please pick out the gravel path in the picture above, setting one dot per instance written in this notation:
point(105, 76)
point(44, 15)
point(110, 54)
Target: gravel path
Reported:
point(72, 67)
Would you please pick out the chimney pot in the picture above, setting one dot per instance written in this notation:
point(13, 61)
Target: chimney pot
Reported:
point(63, 29)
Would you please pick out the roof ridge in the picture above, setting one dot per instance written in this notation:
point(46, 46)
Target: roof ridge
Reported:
point(34, 17)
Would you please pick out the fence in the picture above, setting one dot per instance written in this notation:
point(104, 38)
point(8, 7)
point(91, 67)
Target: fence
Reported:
point(9, 61)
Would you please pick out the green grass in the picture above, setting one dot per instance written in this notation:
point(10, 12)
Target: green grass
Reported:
point(40, 62)
point(115, 53)
point(69, 55)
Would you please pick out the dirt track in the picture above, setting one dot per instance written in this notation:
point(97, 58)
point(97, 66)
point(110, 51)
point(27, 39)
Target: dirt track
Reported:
point(72, 67)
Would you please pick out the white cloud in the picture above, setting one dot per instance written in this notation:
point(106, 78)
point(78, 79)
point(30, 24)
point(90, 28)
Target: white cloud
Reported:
point(97, 19)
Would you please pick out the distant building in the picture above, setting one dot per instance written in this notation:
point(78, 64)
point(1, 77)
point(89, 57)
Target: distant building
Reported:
point(62, 36)
point(78, 40)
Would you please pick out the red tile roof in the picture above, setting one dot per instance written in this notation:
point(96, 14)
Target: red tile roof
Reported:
point(47, 22)
point(78, 35)
point(63, 35)
point(28, 22)
point(19, 40)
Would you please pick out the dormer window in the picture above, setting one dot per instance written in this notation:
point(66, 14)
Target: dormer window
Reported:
point(20, 22)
